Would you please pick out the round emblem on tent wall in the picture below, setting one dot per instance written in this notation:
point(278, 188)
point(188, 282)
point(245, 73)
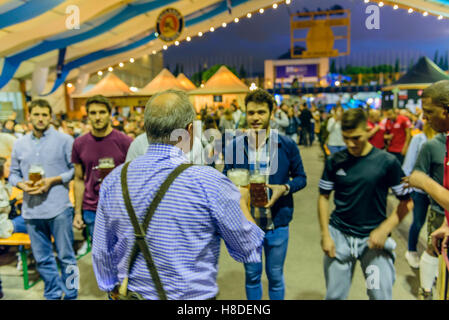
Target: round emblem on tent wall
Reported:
point(169, 24)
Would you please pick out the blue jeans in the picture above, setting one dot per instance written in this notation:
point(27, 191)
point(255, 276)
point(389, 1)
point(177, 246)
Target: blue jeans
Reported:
point(377, 265)
point(421, 203)
point(89, 220)
point(275, 246)
point(335, 149)
point(40, 232)
point(19, 225)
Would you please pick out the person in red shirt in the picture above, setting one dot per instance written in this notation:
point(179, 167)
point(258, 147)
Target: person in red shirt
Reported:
point(376, 129)
point(398, 134)
point(435, 102)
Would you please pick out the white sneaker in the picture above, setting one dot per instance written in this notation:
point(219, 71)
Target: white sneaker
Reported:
point(19, 262)
point(82, 250)
point(412, 259)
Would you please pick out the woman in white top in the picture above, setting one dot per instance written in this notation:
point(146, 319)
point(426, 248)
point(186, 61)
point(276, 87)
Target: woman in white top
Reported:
point(335, 139)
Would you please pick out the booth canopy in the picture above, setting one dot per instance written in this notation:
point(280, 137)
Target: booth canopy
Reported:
point(420, 76)
point(185, 82)
point(163, 81)
point(109, 86)
point(222, 82)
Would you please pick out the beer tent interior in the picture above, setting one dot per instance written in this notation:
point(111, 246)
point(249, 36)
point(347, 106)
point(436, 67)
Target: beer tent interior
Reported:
point(111, 87)
point(420, 76)
point(223, 87)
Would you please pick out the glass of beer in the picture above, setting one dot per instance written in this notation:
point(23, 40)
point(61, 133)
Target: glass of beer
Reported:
point(258, 190)
point(105, 166)
point(35, 173)
point(240, 177)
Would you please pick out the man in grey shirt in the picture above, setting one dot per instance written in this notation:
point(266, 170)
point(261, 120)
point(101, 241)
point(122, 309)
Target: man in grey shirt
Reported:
point(47, 210)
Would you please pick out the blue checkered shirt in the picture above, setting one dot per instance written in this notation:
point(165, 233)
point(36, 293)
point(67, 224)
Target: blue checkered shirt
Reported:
point(200, 207)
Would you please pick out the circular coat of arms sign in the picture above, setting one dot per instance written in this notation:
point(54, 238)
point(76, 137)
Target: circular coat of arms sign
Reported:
point(169, 24)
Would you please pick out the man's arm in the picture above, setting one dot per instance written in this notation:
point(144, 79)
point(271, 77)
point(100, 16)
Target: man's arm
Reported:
point(436, 191)
point(373, 131)
point(380, 234)
point(327, 243)
point(79, 195)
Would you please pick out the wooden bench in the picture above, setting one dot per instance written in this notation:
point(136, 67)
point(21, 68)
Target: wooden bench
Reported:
point(23, 241)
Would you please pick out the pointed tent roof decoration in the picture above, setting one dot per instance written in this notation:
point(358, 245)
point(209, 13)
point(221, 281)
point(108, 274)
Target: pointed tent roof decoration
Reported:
point(185, 82)
point(163, 81)
point(222, 82)
point(109, 86)
point(421, 75)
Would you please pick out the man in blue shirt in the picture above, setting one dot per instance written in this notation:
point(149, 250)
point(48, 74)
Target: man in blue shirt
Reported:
point(200, 207)
point(277, 158)
point(46, 206)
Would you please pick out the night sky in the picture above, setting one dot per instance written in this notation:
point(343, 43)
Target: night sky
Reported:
point(267, 36)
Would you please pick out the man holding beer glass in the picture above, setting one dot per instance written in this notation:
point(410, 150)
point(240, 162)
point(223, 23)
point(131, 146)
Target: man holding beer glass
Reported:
point(275, 170)
point(41, 167)
point(95, 154)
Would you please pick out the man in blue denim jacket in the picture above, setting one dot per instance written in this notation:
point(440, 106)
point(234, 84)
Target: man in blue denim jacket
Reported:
point(277, 158)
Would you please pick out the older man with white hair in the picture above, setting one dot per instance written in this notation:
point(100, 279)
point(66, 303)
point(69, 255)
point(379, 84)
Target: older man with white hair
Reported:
point(185, 210)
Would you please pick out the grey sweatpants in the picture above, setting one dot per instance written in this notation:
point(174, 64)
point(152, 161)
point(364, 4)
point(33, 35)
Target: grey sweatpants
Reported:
point(377, 265)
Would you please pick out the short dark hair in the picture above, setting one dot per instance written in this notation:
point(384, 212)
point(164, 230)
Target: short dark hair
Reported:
point(260, 96)
point(99, 99)
point(352, 119)
point(439, 93)
point(39, 103)
point(2, 166)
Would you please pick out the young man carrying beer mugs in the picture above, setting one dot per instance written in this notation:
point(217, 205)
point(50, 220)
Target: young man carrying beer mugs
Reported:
point(275, 164)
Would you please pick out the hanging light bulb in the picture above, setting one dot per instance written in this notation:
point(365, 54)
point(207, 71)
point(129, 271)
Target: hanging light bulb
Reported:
point(425, 14)
point(200, 34)
point(100, 73)
point(154, 51)
point(236, 20)
point(69, 85)
point(275, 6)
point(261, 10)
point(165, 47)
point(249, 15)
point(121, 64)
point(395, 7)
point(188, 39)
point(110, 69)
point(288, 2)
point(410, 10)
point(131, 60)
point(381, 4)
point(440, 17)
point(176, 43)
point(366, 1)
point(224, 24)
point(212, 29)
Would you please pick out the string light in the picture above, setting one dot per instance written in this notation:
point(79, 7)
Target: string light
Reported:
point(165, 47)
point(100, 73)
point(275, 6)
point(440, 17)
point(366, 1)
point(395, 7)
point(110, 69)
point(69, 85)
point(154, 51)
point(188, 39)
point(121, 64)
point(381, 4)
point(410, 10)
point(224, 24)
point(261, 10)
point(200, 34)
point(176, 43)
point(249, 15)
point(425, 14)
point(212, 29)
point(131, 60)
point(287, 2)
point(236, 20)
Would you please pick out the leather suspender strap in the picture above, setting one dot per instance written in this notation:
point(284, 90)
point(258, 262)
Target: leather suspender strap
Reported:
point(140, 230)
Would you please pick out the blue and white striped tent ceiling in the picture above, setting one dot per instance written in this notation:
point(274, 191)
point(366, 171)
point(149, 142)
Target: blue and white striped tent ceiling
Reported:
point(33, 32)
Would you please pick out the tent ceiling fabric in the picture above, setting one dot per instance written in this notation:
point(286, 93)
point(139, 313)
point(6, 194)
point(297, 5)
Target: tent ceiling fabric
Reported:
point(185, 82)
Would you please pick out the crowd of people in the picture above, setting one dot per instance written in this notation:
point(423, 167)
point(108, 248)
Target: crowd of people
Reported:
point(154, 194)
